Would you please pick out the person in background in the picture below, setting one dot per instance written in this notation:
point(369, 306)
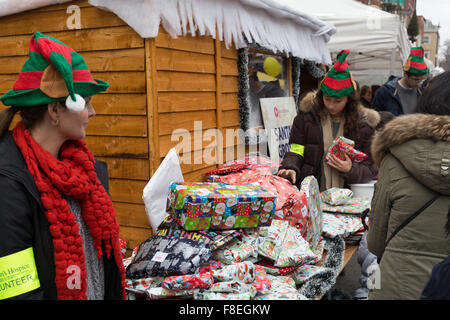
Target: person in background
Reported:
point(57, 221)
point(366, 96)
point(400, 95)
point(438, 287)
point(412, 153)
point(332, 111)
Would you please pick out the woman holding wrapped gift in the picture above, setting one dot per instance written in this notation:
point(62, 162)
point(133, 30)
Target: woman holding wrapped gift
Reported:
point(412, 196)
point(57, 223)
point(328, 113)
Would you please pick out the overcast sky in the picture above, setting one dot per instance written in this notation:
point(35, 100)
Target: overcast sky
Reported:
point(438, 11)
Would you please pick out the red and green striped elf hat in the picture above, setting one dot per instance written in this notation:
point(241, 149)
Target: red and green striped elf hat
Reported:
point(416, 62)
point(53, 72)
point(339, 81)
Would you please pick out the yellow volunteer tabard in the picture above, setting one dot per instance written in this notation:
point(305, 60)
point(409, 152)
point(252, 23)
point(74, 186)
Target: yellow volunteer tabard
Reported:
point(18, 274)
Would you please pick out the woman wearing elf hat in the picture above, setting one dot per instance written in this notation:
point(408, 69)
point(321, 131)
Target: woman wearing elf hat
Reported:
point(57, 223)
point(332, 111)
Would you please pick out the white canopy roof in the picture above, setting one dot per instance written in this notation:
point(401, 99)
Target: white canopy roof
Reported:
point(377, 40)
point(266, 22)
point(269, 23)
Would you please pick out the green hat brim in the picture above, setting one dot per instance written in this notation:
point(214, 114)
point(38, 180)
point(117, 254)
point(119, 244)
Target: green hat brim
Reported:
point(418, 72)
point(35, 97)
point(336, 93)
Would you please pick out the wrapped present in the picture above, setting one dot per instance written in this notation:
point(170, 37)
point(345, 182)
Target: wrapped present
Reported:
point(336, 196)
point(208, 295)
point(236, 252)
point(186, 282)
point(276, 271)
point(163, 256)
point(232, 287)
point(304, 273)
point(141, 285)
point(239, 250)
point(215, 239)
point(354, 206)
point(242, 271)
point(340, 225)
point(290, 204)
point(313, 230)
point(282, 288)
point(342, 146)
point(210, 266)
point(219, 206)
point(284, 245)
point(226, 169)
point(262, 285)
point(163, 293)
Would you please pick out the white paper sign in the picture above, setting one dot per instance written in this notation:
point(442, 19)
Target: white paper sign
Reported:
point(278, 115)
point(160, 256)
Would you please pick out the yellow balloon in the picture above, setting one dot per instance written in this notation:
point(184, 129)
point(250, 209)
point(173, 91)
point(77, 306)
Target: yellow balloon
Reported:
point(272, 67)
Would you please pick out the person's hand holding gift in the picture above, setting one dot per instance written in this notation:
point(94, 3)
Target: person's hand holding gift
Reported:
point(338, 164)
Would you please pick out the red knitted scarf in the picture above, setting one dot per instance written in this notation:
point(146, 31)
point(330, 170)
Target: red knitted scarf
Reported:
point(73, 176)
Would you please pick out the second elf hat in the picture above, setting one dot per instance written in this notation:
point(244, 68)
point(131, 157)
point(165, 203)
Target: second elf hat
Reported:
point(53, 72)
point(338, 82)
point(416, 62)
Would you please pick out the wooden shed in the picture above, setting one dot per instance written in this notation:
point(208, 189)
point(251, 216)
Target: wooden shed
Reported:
point(157, 84)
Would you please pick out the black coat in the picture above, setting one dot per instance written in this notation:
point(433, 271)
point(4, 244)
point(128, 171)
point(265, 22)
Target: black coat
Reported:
point(387, 99)
point(23, 223)
point(438, 287)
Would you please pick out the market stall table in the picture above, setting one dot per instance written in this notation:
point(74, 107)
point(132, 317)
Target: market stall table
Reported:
point(349, 252)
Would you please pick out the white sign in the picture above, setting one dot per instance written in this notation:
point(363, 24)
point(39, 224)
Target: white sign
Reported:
point(160, 256)
point(278, 115)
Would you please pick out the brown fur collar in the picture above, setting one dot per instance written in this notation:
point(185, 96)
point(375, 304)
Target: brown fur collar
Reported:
point(371, 117)
point(407, 127)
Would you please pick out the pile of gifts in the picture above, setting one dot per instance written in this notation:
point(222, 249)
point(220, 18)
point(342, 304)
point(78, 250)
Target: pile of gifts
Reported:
point(245, 234)
point(343, 214)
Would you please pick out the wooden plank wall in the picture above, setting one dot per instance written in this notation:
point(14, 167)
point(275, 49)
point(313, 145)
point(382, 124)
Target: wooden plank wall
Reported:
point(156, 86)
point(196, 81)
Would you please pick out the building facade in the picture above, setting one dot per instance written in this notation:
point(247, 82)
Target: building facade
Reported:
point(430, 41)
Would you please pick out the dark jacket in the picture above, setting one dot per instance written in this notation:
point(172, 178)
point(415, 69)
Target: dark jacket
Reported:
point(23, 223)
point(438, 287)
point(307, 131)
point(412, 152)
point(387, 99)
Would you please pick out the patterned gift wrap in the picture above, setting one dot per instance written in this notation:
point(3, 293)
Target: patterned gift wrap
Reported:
point(186, 282)
point(163, 293)
point(215, 239)
point(302, 274)
point(141, 285)
point(342, 146)
point(219, 206)
point(232, 287)
point(284, 245)
point(354, 206)
point(340, 225)
point(208, 295)
point(242, 271)
point(313, 230)
point(168, 256)
point(336, 196)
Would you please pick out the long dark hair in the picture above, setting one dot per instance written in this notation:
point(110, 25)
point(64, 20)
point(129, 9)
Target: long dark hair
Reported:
point(351, 113)
point(30, 116)
point(435, 98)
